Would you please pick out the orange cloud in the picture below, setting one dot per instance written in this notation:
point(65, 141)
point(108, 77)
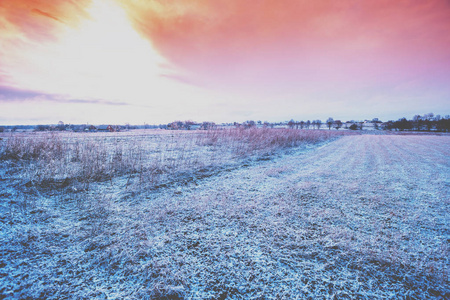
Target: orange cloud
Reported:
point(229, 37)
point(45, 14)
point(36, 18)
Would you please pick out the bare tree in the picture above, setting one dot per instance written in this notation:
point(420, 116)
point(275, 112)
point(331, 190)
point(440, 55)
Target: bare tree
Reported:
point(429, 118)
point(249, 124)
point(291, 123)
point(318, 124)
point(61, 126)
point(337, 124)
point(330, 122)
point(417, 122)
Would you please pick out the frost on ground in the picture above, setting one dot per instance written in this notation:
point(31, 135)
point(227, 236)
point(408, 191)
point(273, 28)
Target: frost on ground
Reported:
point(362, 217)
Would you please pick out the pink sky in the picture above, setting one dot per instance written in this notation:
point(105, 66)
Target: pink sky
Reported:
point(115, 61)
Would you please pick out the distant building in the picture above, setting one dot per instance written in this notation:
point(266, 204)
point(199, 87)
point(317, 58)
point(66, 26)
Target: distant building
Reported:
point(109, 128)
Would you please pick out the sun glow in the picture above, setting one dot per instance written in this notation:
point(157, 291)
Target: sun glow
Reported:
point(103, 57)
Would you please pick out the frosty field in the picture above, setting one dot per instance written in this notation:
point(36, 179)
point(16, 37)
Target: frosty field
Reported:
point(262, 214)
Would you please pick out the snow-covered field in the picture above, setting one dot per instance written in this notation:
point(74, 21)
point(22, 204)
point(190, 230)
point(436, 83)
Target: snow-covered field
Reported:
point(358, 217)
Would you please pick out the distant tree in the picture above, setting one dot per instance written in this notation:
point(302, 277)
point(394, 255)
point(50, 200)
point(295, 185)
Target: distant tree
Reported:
point(417, 122)
point(302, 124)
point(337, 124)
point(438, 121)
point(42, 127)
point(429, 121)
point(188, 124)
point(177, 125)
point(291, 123)
point(429, 116)
point(249, 124)
point(329, 122)
point(403, 124)
point(266, 124)
point(307, 124)
point(208, 125)
point(389, 125)
point(426, 122)
point(318, 124)
point(353, 126)
point(61, 126)
point(2, 129)
point(376, 122)
point(443, 124)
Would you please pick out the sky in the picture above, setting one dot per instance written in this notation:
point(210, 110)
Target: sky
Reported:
point(156, 61)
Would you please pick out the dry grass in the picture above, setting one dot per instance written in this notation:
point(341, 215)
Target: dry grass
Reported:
point(58, 160)
point(263, 141)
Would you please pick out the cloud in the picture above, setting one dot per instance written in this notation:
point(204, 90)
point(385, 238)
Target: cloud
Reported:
point(29, 24)
point(237, 43)
point(14, 94)
point(182, 78)
point(25, 17)
point(10, 94)
point(45, 14)
point(250, 42)
point(92, 101)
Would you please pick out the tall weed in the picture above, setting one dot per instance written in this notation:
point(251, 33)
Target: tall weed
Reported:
point(85, 158)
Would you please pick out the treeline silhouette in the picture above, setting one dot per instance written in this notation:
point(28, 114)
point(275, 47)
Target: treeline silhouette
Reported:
point(427, 122)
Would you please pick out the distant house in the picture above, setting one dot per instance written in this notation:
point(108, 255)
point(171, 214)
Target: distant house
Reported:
point(76, 128)
point(109, 128)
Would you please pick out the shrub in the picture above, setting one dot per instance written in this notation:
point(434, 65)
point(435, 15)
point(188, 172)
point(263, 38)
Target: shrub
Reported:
point(353, 127)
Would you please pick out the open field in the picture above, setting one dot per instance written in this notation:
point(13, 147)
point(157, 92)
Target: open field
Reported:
point(225, 215)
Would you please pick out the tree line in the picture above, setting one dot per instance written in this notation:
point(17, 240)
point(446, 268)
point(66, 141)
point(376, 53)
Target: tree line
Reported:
point(427, 122)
